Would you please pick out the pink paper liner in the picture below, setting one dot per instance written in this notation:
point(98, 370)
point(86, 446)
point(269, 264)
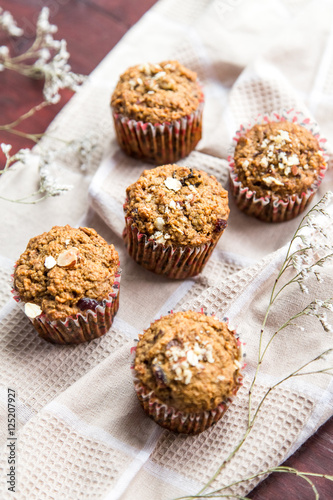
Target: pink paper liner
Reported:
point(168, 260)
point(272, 208)
point(177, 420)
point(160, 144)
point(83, 327)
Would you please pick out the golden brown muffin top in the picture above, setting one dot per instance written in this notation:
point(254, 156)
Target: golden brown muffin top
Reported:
point(190, 361)
point(66, 271)
point(157, 93)
point(278, 158)
point(172, 204)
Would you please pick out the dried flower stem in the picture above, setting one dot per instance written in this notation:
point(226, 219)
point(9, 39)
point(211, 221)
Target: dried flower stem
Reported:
point(280, 469)
point(11, 127)
point(24, 200)
point(274, 295)
point(46, 58)
point(253, 418)
point(311, 309)
point(26, 115)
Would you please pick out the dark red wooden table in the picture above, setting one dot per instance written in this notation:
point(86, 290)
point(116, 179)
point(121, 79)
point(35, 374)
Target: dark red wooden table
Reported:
point(92, 28)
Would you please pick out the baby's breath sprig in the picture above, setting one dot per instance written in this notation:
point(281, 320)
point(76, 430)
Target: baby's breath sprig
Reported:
point(310, 249)
point(19, 156)
point(46, 58)
point(8, 24)
point(79, 151)
point(48, 185)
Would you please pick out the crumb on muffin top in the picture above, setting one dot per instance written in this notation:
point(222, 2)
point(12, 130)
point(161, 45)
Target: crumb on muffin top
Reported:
point(279, 159)
point(66, 271)
point(172, 204)
point(157, 93)
point(190, 361)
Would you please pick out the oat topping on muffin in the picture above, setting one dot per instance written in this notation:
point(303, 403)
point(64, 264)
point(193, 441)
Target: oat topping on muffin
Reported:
point(64, 269)
point(173, 204)
point(278, 158)
point(189, 360)
point(157, 93)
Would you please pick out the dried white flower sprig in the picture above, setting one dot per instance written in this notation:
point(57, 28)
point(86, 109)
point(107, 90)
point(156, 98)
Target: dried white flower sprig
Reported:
point(79, 151)
point(310, 249)
point(48, 185)
point(46, 58)
point(8, 23)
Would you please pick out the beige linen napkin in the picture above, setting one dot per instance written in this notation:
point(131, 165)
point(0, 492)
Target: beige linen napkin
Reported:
point(81, 432)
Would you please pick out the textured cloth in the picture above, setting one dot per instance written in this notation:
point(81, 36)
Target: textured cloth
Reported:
point(81, 431)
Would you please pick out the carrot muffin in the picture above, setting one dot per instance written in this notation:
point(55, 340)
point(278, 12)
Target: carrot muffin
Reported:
point(157, 111)
point(174, 218)
point(186, 371)
point(68, 280)
point(276, 170)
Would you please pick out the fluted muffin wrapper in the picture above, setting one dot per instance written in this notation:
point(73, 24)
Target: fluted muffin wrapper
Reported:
point(178, 420)
point(159, 143)
point(178, 262)
point(83, 327)
point(273, 208)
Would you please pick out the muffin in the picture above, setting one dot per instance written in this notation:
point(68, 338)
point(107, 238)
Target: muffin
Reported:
point(187, 370)
point(157, 111)
point(276, 170)
point(68, 282)
point(174, 218)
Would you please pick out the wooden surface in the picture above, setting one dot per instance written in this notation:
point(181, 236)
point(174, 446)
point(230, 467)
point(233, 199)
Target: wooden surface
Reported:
point(92, 28)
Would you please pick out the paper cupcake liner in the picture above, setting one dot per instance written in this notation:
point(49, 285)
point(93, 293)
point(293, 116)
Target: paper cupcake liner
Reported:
point(160, 144)
point(177, 420)
point(274, 209)
point(80, 328)
point(168, 260)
